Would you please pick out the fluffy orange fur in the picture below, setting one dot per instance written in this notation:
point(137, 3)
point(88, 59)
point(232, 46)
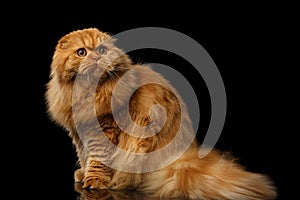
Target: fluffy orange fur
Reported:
point(81, 56)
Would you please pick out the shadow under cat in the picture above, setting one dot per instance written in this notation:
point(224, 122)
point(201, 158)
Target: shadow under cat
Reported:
point(85, 194)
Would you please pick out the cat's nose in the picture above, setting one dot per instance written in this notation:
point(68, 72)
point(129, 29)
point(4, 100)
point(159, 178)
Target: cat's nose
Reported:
point(95, 58)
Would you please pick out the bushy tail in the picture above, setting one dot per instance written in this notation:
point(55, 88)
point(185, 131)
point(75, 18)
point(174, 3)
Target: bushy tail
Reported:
point(212, 177)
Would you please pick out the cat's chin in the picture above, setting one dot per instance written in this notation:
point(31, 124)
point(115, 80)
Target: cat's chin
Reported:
point(92, 77)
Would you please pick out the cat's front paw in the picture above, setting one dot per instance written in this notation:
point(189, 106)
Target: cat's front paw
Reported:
point(78, 175)
point(96, 182)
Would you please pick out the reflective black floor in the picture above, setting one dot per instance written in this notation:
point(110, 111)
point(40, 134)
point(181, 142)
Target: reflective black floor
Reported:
point(110, 194)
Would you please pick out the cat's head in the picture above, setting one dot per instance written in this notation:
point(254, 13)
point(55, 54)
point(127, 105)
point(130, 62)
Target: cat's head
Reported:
point(88, 52)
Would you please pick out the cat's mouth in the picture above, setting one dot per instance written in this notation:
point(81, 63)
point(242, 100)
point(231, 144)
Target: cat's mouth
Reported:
point(97, 71)
point(91, 67)
point(105, 65)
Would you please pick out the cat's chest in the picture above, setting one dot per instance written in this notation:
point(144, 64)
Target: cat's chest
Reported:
point(102, 103)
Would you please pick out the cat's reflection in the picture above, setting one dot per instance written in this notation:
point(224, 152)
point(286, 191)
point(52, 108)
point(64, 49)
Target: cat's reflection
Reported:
point(109, 194)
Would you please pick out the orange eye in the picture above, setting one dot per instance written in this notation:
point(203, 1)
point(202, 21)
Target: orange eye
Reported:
point(81, 52)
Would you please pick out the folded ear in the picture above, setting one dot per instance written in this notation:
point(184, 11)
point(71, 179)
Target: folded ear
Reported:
point(63, 41)
point(62, 44)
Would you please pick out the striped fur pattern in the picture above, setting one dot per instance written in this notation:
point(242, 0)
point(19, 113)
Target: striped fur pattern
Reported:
point(82, 55)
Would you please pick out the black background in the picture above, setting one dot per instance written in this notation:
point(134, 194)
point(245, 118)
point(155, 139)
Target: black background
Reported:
point(244, 43)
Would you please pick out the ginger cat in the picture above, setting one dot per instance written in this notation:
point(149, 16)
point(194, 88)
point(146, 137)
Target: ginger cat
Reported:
point(81, 57)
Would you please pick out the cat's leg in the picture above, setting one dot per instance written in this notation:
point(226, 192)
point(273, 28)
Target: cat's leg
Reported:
point(212, 177)
point(97, 175)
point(97, 171)
point(81, 155)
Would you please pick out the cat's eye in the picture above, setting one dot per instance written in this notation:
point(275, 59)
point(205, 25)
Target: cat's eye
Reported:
point(81, 52)
point(102, 49)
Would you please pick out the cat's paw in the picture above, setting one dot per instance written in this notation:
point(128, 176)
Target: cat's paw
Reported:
point(95, 183)
point(78, 175)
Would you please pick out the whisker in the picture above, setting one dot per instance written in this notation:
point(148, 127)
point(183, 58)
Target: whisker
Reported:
point(116, 77)
point(113, 76)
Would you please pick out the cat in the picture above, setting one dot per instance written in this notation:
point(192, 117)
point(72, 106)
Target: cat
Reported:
point(80, 57)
